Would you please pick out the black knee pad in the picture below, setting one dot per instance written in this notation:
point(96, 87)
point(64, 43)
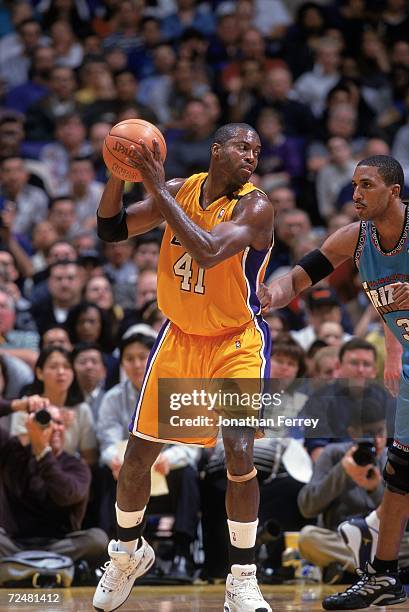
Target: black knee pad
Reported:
point(396, 471)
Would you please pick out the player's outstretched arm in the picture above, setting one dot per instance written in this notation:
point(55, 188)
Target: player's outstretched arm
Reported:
point(313, 267)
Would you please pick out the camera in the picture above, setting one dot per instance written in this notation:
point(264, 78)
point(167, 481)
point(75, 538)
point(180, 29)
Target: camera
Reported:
point(365, 454)
point(42, 418)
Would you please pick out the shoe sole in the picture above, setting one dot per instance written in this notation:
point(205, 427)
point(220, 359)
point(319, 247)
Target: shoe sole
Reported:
point(148, 567)
point(227, 608)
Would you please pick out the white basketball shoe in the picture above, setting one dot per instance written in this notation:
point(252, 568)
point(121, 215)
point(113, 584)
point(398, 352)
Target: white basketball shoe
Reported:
point(242, 591)
point(361, 537)
point(120, 574)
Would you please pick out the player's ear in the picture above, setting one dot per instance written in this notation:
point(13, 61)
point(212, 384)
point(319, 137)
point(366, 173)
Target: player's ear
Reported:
point(215, 148)
point(396, 190)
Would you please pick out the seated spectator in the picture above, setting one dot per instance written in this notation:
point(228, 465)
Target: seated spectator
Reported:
point(282, 198)
point(282, 157)
point(65, 283)
point(146, 250)
point(70, 141)
point(276, 323)
point(22, 96)
point(86, 192)
point(322, 305)
point(86, 322)
point(98, 290)
point(90, 370)
point(355, 384)
point(31, 202)
point(44, 235)
point(45, 491)
point(57, 335)
point(14, 376)
point(333, 176)
point(289, 225)
point(331, 333)
point(21, 344)
point(41, 116)
point(146, 289)
point(55, 380)
point(62, 215)
point(325, 365)
point(342, 488)
point(68, 51)
point(13, 270)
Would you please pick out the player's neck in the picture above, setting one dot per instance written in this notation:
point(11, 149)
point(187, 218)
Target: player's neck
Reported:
point(213, 189)
point(390, 225)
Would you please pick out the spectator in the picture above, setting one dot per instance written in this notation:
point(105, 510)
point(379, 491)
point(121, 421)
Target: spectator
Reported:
point(332, 177)
point(331, 333)
point(16, 50)
point(60, 250)
point(354, 386)
point(90, 370)
point(62, 216)
point(70, 134)
point(42, 115)
point(312, 87)
point(55, 380)
point(146, 251)
point(68, 51)
point(85, 190)
point(325, 364)
point(31, 202)
point(98, 290)
point(22, 96)
point(341, 488)
point(46, 491)
point(322, 306)
point(65, 284)
point(21, 344)
point(86, 322)
point(97, 133)
point(290, 225)
point(282, 198)
point(145, 293)
point(44, 235)
point(56, 335)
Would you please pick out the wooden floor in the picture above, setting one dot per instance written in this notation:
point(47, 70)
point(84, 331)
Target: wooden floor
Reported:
point(299, 597)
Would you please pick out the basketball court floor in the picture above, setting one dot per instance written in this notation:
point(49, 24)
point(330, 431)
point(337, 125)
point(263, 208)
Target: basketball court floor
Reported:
point(288, 598)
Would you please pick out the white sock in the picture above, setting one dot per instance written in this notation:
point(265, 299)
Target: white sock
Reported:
point(372, 520)
point(127, 520)
point(242, 535)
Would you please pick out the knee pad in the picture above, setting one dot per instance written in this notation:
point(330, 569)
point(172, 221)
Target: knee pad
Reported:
point(396, 472)
point(243, 477)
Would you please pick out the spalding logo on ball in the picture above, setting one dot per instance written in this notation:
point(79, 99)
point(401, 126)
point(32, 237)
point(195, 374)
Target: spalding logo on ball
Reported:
point(119, 140)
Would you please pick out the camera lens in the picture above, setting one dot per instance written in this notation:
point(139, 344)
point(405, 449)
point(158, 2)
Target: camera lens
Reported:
point(43, 418)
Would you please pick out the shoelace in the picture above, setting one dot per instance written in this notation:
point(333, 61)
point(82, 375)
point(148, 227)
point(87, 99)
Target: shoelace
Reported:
point(113, 576)
point(367, 584)
point(248, 589)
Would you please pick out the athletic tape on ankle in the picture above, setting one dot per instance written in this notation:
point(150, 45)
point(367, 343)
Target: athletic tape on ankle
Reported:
point(243, 477)
point(242, 535)
point(129, 519)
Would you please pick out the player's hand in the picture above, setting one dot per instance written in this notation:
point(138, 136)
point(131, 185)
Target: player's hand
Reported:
point(264, 297)
point(162, 465)
point(149, 164)
point(391, 374)
point(401, 295)
point(30, 404)
point(116, 465)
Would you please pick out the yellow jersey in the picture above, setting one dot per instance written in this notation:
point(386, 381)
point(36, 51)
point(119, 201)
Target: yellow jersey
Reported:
point(214, 301)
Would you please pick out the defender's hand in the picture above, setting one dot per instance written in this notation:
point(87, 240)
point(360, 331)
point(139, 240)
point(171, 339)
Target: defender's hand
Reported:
point(264, 296)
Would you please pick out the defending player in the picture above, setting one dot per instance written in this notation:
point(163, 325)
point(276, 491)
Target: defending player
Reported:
point(379, 244)
point(213, 255)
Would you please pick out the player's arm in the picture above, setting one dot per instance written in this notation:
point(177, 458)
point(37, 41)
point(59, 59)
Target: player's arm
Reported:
point(313, 267)
point(252, 223)
point(393, 361)
point(115, 223)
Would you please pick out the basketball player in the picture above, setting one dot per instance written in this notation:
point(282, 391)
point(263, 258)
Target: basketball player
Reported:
point(379, 244)
point(214, 252)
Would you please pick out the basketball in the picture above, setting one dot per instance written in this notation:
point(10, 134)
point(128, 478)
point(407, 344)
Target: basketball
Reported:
point(117, 144)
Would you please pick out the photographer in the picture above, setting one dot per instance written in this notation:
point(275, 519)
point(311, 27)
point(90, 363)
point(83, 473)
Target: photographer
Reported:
point(43, 489)
point(346, 483)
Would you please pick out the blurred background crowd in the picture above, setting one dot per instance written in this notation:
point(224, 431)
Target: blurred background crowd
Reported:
point(325, 84)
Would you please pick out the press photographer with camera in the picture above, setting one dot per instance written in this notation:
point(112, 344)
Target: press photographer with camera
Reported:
point(43, 489)
point(347, 482)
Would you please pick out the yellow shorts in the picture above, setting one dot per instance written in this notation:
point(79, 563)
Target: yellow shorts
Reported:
point(176, 357)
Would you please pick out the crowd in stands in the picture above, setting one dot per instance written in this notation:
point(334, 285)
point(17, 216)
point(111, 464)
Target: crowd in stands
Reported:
point(325, 84)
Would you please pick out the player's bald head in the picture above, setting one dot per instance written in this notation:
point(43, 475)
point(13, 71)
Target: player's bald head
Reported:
point(231, 130)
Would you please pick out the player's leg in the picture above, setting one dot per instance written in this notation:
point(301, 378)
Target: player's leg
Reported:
point(242, 501)
point(130, 556)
